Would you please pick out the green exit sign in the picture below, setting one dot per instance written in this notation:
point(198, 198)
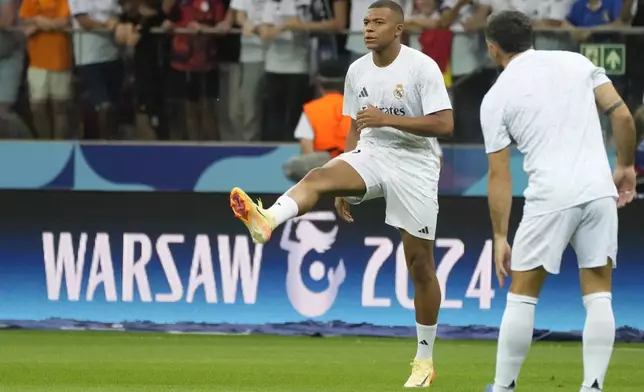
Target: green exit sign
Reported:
point(611, 57)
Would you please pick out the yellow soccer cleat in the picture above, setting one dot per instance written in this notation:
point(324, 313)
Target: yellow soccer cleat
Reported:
point(258, 221)
point(422, 374)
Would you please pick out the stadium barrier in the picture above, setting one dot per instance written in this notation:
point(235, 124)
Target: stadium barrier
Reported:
point(180, 262)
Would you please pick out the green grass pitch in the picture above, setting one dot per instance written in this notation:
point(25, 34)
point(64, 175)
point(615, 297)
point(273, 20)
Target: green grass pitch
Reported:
point(34, 361)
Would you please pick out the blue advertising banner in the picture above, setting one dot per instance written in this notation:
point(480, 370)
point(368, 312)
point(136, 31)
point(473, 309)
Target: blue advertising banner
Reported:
point(123, 167)
point(166, 258)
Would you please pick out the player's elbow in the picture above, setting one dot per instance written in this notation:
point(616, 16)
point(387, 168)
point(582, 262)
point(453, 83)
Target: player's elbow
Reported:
point(445, 124)
point(622, 116)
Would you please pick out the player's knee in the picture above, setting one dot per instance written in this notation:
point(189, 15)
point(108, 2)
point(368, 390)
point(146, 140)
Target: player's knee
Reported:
point(316, 179)
point(420, 264)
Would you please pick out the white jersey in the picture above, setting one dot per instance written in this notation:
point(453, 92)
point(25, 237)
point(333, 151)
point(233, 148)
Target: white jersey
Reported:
point(545, 101)
point(412, 85)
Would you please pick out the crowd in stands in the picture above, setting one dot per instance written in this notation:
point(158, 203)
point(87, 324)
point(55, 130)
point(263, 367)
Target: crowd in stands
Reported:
point(243, 70)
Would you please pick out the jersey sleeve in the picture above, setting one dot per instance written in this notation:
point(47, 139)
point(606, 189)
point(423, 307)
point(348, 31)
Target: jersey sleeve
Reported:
point(433, 92)
point(495, 131)
point(350, 102)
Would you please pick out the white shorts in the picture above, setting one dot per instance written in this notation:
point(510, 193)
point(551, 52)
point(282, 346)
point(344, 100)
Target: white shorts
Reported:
point(410, 191)
point(590, 228)
point(45, 84)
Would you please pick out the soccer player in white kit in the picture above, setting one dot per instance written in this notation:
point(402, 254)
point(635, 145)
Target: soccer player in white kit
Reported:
point(547, 102)
point(398, 103)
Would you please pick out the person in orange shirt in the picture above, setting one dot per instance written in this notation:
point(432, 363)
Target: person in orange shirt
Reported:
point(50, 54)
point(322, 129)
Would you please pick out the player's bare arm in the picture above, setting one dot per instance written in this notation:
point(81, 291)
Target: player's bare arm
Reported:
point(500, 204)
point(623, 126)
point(439, 124)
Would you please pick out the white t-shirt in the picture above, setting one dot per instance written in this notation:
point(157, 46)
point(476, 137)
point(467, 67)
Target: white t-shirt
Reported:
point(536, 10)
point(304, 130)
point(289, 53)
point(411, 86)
point(545, 101)
point(252, 48)
point(91, 48)
point(359, 8)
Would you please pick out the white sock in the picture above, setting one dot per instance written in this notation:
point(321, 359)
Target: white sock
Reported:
point(426, 335)
point(284, 209)
point(598, 338)
point(515, 338)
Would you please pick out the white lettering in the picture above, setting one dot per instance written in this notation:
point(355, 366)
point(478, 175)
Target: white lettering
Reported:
point(63, 262)
point(239, 264)
point(102, 269)
point(402, 279)
point(451, 257)
point(201, 271)
point(384, 249)
point(135, 270)
point(483, 277)
point(169, 267)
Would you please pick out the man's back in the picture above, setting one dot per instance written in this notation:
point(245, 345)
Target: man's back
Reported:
point(545, 101)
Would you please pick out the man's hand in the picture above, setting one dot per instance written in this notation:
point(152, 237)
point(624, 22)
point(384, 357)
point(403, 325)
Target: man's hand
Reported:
point(248, 30)
point(342, 207)
point(294, 24)
point(502, 256)
point(625, 179)
point(270, 33)
point(223, 27)
point(371, 117)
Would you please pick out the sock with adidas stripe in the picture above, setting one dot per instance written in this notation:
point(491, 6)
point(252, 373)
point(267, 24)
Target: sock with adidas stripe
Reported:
point(426, 335)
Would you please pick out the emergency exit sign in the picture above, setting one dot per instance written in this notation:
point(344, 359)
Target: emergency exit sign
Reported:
point(611, 57)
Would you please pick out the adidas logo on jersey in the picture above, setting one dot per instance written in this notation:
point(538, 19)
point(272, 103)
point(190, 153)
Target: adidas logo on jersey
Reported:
point(363, 93)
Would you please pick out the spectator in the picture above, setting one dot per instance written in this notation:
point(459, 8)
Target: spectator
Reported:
point(434, 41)
point(98, 58)
point(595, 14)
point(50, 63)
point(12, 47)
point(639, 156)
point(633, 14)
point(134, 31)
point(322, 129)
point(355, 41)
point(287, 69)
point(194, 74)
point(468, 51)
point(246, 85)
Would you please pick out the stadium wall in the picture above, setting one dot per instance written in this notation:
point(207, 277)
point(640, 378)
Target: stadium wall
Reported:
point(141, 237)
point(173, 261)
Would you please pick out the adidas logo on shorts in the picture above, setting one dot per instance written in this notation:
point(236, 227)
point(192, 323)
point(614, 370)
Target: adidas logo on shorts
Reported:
point(424, 230)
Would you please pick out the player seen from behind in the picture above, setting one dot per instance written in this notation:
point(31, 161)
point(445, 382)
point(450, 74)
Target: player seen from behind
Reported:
point(547, 102)
point(398, 103)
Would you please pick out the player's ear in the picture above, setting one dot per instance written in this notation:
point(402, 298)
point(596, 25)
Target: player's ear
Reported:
point(400, 28)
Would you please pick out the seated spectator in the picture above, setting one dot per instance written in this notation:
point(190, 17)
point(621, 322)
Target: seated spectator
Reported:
point(12, 46)
point(50, 65)
point(595, 14)
point(322, 129)
point(98, 58)
point(287, 69)
point(134, 31)
point(194, 74)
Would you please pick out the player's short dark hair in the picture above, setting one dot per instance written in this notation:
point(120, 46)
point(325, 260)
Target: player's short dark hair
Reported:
point(511, 30)
point(392, 5)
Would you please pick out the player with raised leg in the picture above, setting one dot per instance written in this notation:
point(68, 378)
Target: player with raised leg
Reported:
point(398, 103)
point(547, 102)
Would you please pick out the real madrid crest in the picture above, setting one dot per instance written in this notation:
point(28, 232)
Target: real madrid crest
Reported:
point(399, 92)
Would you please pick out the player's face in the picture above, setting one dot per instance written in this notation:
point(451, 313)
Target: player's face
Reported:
point(381, 28)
